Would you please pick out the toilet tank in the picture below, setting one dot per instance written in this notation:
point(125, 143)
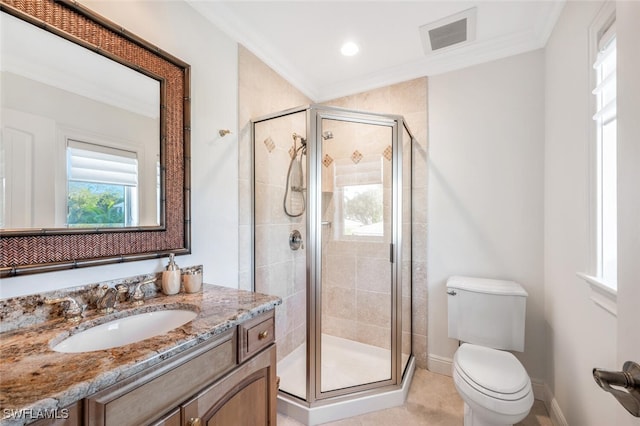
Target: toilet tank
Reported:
point(487, 312)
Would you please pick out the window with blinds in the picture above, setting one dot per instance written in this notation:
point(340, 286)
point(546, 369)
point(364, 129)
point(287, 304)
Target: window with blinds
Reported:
point(102, 186)
point(606, 163)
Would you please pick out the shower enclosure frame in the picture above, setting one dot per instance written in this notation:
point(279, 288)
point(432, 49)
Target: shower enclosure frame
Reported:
point(314, 116)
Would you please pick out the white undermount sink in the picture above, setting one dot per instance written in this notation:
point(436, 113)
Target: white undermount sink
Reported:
point(124, 331)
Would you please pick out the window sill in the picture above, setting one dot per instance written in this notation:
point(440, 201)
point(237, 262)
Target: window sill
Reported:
point(601, 294)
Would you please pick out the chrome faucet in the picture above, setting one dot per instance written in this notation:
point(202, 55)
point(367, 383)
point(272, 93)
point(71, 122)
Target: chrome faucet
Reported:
point(137, 296)
point(109, 298)
point(73, 310)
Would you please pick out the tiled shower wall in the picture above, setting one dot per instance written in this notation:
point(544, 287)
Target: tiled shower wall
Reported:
point(262, 92)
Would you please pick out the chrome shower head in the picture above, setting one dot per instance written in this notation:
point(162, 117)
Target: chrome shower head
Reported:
point(327, 134)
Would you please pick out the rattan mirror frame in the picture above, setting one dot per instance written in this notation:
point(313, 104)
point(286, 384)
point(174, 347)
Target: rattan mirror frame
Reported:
point(44, 250)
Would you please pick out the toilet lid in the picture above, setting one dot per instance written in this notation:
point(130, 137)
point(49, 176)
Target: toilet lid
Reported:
point(491, 369)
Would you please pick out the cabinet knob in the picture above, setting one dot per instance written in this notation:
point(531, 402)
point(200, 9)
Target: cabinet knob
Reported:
point(263, 334)
point(195, 422)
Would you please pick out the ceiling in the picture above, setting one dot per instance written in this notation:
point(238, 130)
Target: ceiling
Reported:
point(301, 39)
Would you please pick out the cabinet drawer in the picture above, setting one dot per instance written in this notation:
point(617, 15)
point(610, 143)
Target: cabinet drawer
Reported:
point(144, 397)
point(256, 335)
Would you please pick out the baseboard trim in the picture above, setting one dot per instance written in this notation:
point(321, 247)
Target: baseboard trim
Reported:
point(553, 408)
point(439, 364)
point(539, 390)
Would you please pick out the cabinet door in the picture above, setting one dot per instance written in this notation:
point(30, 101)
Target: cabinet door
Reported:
point(245, 405)
point(247, 397)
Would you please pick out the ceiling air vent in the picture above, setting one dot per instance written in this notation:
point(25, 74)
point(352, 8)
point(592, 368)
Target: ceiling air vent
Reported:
point(455, 30)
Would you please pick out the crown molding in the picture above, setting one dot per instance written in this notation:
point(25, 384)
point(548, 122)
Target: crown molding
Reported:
point(464, 56)
point(232, 25)
point(438, 63)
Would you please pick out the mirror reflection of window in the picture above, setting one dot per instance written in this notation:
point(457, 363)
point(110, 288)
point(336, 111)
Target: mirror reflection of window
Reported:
point(102, 186)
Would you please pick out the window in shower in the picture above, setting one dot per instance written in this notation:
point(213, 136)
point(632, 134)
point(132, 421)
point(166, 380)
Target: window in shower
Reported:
point(359, 209)
point(362, 210)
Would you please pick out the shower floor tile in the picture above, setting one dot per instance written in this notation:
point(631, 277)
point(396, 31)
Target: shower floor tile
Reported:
point(344, 363)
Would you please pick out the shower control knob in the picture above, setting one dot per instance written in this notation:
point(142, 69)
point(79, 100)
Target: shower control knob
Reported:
point(295, 240)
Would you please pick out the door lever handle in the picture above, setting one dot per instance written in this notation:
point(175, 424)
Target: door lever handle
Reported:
point(629, 379)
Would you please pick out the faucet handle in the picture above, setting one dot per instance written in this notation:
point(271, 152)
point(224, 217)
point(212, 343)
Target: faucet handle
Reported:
point(107, 299)
point(121, 288)
point(72, 312)
point(138, 294)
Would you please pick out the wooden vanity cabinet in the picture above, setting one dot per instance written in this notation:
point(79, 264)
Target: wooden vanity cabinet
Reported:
point(229, 380)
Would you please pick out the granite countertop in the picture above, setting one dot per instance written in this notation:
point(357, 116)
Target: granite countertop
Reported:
point(34, 377)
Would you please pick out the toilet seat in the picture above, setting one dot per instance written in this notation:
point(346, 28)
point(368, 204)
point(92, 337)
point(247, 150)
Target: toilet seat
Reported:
point(497, 374)
point(492, 381)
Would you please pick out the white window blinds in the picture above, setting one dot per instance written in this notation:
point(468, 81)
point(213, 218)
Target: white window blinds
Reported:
point(88, 162)
point(605, 67)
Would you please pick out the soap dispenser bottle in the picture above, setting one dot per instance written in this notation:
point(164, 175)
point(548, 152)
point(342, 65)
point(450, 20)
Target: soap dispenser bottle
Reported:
point(171, 277)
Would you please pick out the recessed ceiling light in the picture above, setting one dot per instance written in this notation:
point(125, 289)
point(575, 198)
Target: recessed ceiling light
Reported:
point(349, 49)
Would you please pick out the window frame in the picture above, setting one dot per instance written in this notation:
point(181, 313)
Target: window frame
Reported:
point(346, 175)
point(130, 187)
point(603, 293)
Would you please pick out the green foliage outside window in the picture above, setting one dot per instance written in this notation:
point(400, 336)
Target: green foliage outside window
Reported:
point(365, 206)
point(95, 205)
point(363, 210)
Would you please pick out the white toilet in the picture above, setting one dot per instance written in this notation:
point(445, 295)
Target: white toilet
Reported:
point(488, 317)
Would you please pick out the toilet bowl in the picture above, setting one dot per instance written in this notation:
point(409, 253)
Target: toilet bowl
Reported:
point(493, 384)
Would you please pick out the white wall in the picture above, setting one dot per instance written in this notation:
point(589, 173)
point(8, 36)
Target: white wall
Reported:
point(179, 30)
point(628, 34)
point(581, 335)
point(485, 215)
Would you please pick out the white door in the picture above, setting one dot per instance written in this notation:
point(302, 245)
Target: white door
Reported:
point(628, 33)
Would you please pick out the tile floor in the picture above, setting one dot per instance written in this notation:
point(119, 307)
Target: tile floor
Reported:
point(432, 401)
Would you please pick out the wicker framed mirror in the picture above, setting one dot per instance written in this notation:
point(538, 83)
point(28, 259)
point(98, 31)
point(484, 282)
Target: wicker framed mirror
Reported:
point(25, 251)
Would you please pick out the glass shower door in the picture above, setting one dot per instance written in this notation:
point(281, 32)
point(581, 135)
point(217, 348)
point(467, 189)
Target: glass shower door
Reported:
point(279, 205)
point(356, 286)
